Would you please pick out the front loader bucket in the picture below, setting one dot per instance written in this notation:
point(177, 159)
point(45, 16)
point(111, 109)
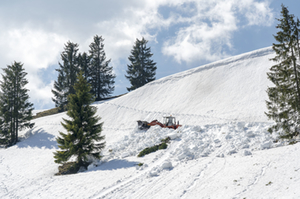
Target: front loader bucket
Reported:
point(143, 125)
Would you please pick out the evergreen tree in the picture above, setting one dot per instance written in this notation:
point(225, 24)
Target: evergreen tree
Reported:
point(15, 108)
point(7, 136)
point(142, 68)
point(297, 37)
point(83, 129)
point(284, 97)
point(84, 65)
point(101, 74)
point(67, 74)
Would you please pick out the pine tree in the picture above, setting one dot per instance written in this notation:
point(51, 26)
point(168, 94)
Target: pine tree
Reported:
point(83, 129)
point(142, 68)
point(84, 65)
point(297, 37)
point(284, 97)
point(102, 77)
point(67, 74)
point(7, 136)
point(15, 108)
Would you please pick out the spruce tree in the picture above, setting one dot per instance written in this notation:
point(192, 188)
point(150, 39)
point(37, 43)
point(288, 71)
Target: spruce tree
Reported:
point(297, 38)
point(15, 108)
point(142, 68)
point(101, 74)
point(84, 65)
point(67, 74)
point(83, 135)
point(284, 97)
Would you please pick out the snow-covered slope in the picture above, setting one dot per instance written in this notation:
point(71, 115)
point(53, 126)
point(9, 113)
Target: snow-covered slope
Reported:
point(223, 149)
point(227, 90)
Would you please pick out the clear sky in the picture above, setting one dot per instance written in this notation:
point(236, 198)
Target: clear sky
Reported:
point(182, 34)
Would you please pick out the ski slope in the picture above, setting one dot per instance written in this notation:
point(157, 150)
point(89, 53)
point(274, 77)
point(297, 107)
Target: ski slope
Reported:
point(223, 149)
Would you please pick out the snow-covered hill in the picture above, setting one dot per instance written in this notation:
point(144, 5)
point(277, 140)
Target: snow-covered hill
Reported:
point(233, 89)
point(223, 149)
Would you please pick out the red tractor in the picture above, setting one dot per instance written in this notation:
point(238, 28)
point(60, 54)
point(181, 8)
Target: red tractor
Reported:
point(168, 122)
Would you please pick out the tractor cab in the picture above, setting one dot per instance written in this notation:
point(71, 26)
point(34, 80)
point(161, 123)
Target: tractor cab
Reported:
point(169, 121)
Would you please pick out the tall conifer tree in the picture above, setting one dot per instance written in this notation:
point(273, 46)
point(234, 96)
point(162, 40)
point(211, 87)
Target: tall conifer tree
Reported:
point(101, 74)
point(15, 108)
point(83, 135)
point(67, 74)
point(284, 97)
point(142, 68)
point(84, 65)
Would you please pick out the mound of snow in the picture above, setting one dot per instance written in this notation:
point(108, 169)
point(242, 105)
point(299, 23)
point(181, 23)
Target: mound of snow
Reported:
point(193, 142)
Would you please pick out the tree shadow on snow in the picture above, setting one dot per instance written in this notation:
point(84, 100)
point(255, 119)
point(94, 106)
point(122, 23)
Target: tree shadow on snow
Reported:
point(38, 138)
point(114, 164)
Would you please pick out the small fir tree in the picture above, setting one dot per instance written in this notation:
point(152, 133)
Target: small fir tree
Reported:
point(284, 97)
point(15, 108)
point(142, 68)
point(83, 135)
point(101, 74)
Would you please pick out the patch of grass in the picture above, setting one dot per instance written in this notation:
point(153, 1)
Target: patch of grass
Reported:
point(162, 146)
point(269, 183)
point(154, 148)
point(57, 110)
point(140, 164)
point(166, 140)
point(292, 142)
point(68, 168)
point(46, 113)
point(148, 150)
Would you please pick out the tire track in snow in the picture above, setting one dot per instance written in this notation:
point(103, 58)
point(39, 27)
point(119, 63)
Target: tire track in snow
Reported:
point(187, 116)
point(6, 175)
point(165, 113)
point(118, 129)
point(256, 179)
point(200, 178)
point(3, 188)
point(131, 181)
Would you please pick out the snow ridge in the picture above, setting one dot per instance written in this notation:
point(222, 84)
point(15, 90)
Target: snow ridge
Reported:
point(235, 59)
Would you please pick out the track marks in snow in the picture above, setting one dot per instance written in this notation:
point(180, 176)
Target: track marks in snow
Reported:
point(256, 179)
point(197, 143)
point(186, 116)
point(205, 175)
point(200, 174)
point(3, 188)
point(134, 181)
point(6, 174)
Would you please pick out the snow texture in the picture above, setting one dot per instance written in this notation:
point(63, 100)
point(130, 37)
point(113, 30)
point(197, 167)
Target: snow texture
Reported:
point(223, 150)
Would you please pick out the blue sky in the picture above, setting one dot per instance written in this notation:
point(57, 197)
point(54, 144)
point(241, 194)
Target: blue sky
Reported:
point(182, 34)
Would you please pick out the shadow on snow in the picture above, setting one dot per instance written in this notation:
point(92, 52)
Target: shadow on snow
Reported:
point(114, 164)
point(38, 138)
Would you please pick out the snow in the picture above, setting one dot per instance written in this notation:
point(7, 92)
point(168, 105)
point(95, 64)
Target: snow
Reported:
point(222, 150)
